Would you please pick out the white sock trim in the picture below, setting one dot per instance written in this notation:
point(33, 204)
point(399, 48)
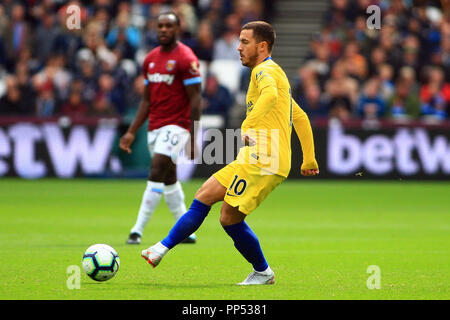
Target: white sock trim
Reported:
point(160, 248)
point(172, 187)
point(155, 186)
point(265, 272)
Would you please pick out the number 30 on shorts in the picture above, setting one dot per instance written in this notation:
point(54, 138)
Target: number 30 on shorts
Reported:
point(173, 140)
point(238, 185)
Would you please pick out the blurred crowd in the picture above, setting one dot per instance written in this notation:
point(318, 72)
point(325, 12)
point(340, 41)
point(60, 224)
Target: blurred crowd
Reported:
point(399, 71)
point(50, 68)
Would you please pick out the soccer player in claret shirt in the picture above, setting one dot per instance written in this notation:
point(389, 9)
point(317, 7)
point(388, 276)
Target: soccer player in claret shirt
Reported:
point(261, 165)
point(171, 102)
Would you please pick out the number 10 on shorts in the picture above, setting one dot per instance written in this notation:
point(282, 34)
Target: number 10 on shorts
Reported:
point(238, 186)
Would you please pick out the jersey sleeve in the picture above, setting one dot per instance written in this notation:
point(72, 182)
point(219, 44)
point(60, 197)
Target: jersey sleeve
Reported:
point(268, 96)
point(190, 70)
point(304, 132)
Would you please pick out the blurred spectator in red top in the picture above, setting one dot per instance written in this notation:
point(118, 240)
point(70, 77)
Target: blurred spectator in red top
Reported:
point(435, 95)
point(74, 106)
point(102, 107)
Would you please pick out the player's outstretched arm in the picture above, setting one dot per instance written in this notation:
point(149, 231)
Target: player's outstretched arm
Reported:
point(141, 116)
point(304, 132)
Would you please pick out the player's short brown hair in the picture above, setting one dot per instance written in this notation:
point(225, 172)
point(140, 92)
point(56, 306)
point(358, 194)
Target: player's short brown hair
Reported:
point(262, 31)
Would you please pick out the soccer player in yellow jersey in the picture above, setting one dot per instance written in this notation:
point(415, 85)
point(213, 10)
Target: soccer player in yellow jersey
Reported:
point(261, 165)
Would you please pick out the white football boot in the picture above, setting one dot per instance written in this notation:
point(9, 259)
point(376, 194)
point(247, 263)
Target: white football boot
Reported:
point(265, 277)
point(154, 254)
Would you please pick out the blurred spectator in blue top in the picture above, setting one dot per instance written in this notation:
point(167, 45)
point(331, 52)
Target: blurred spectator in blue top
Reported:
point(150, 34)
point(46, 32)
point(226, 46)
point(312, 102)
point(108, 95)
point(371, 104)
point(386, 76)
point(217, 98)
point(204, 43)
point(87, 73)
point(124, 37)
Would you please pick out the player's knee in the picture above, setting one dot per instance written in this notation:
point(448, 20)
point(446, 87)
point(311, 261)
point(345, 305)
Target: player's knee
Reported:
point(230, 215)
point(225, 220)
point(204, 195)
point(228, 220)
point(210, 192)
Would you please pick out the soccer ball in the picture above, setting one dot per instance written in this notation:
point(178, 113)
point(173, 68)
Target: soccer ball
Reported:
point(100, 262)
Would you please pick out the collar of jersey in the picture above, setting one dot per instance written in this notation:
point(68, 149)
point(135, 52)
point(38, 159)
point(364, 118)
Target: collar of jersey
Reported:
point(174, 48)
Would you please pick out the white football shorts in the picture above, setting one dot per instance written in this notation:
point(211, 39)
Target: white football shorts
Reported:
point(168, 140)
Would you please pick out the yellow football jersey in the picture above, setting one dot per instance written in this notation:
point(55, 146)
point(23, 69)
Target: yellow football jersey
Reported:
point(271, 112)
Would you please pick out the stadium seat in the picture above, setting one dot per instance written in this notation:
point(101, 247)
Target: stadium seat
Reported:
point(228, 72)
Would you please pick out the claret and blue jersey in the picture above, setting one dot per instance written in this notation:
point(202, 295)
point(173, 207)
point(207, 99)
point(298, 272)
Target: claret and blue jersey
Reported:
point(165, 75)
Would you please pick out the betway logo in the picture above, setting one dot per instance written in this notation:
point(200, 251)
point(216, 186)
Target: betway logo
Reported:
point(158, 78)
point(409, 151)
point(23, 143)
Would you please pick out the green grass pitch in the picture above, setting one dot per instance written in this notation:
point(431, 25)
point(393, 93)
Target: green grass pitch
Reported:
point(318, 236)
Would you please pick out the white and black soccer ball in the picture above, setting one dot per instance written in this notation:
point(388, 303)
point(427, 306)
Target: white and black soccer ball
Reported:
point(100, 262)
